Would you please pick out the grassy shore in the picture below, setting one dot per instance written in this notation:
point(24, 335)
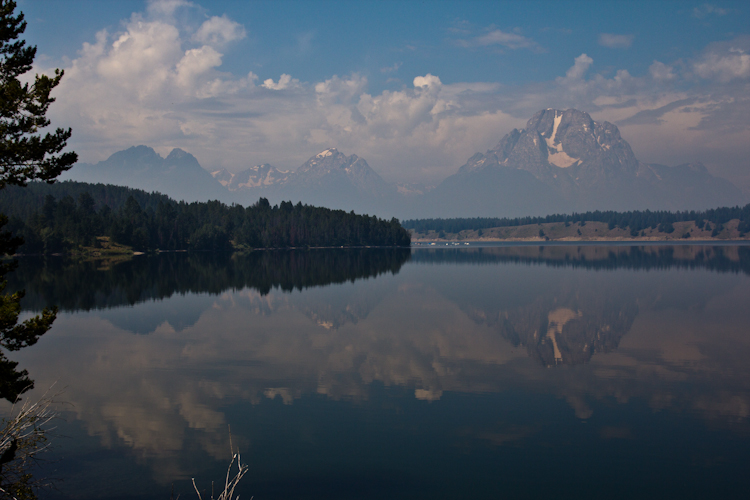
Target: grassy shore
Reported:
point(104, 248)
point(588, 231)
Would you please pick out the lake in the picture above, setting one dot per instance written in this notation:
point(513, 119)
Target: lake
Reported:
point(506, 371)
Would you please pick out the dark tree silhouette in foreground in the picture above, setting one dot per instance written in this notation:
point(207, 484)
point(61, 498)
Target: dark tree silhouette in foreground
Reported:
point(25, 154)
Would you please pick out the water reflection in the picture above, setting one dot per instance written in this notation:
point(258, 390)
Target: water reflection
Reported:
point(276, 363)
point(728, 258)
point(75, 285)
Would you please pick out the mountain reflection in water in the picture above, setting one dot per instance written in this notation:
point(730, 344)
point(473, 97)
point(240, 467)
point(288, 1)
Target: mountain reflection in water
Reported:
point(440, 371)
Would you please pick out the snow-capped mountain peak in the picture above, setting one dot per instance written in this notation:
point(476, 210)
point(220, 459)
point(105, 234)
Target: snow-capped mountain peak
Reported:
point(327, 152)
point(566, 161)
point(264, 175)
point(223, 176)
point(561, 144)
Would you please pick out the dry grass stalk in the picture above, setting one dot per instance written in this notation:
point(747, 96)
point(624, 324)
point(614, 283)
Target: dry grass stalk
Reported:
point(230, 482)
point(23, 436)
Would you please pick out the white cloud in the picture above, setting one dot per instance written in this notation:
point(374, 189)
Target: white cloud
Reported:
point(134, 87)
point(141, 57)
point(395, 113)
point(341, 90)
point(502, 38)
point(615, 41)
point(150, 84)
point(724, 67)
point(576, 72)
point(196, 62)
point(708, 9)
point(428, 81)
point(285, 82)
point(218, 31)
point(160, 83)
point(661, 72)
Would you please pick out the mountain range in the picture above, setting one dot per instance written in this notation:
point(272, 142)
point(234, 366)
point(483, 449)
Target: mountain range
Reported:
point(562, 161)
point(179, 175)
point(329, 178)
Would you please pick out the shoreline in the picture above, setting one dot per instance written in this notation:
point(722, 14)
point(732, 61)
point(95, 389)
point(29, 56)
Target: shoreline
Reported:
point(542, 241)
point(588, 232)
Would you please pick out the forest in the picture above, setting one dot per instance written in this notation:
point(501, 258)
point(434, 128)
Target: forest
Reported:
point(65, 216)
point(635, 221)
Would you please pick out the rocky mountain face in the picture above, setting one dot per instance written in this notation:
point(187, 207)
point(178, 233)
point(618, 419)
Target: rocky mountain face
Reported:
point(259, 176)
point(331, 165)
point(565, 161)
point(331, 175)
point(329, 178)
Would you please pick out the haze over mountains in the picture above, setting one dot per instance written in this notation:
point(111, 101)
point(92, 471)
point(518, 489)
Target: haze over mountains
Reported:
point(562, 161)
point(179, 175)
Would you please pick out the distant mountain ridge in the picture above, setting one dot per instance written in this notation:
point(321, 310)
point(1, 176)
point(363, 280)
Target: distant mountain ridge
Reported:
point(258, 176)
point(329, 178)
point(562, 161)
point(179, 175)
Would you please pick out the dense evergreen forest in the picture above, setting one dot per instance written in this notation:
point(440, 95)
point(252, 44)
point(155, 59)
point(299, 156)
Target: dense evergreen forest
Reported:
point(64, 216)
point(636, 220)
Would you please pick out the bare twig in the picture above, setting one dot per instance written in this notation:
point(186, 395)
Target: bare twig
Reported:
point(24, 434)
point(231, 481)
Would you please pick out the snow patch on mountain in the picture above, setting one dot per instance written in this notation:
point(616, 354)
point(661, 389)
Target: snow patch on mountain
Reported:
point(223, 176)
point(556, 155)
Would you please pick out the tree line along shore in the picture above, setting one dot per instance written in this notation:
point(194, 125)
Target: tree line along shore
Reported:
point(588, 231)
point(725, 223)
point(77, 217)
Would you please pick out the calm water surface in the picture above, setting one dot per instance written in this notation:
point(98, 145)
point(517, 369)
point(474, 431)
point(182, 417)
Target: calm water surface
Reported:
point(497, 372)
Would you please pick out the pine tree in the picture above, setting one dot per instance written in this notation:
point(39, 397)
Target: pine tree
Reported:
point(25, 155)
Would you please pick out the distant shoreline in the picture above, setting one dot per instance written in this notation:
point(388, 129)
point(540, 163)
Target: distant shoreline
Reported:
point(538, 241)
point(589, 232)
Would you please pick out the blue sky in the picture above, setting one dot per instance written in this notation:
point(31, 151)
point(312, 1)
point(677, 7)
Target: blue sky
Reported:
point(413, 87)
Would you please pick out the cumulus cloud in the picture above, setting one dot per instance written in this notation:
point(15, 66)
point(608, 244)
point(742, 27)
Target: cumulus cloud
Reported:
point(661, 72)
point(135, 86)
point(285, 82)
point(340, 90)
point(576, 72)
point(428, 81)
point(160, 83)
point(615, 41)
point(724, 67)
point(218, 31)
point(196, 62)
